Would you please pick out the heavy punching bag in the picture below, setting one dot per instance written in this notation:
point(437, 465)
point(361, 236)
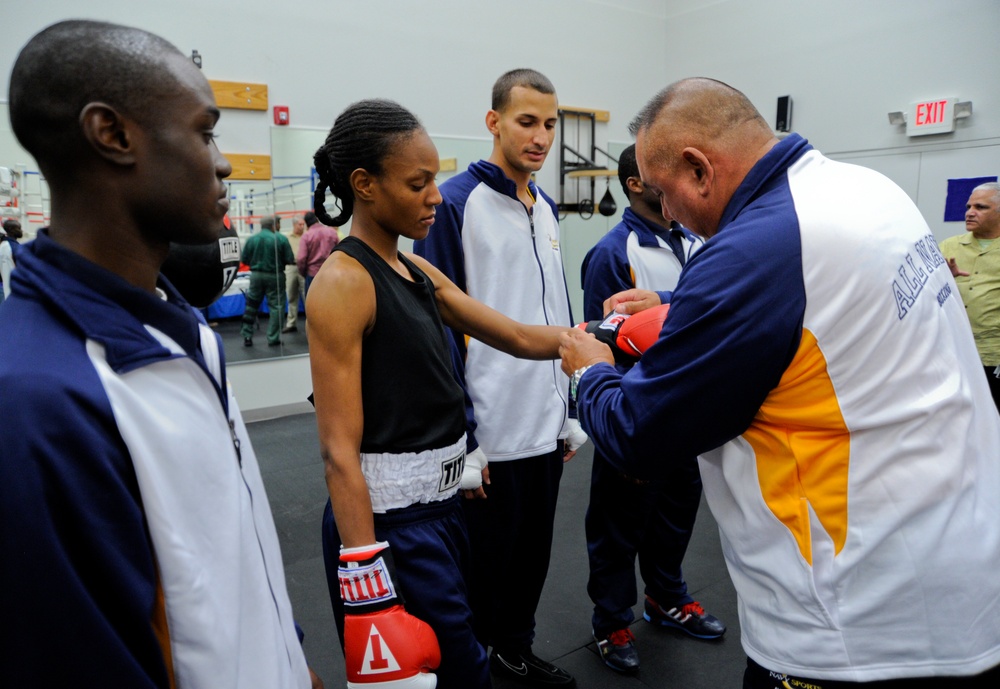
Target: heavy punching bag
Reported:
point(202, 272)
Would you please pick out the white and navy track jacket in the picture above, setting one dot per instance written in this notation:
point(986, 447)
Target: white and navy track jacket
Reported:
point(818, 358)
point(493, 248)
point(634, 253)
point(134, 525)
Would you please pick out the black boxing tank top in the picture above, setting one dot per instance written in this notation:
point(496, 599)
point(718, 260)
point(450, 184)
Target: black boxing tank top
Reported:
point(410, 397)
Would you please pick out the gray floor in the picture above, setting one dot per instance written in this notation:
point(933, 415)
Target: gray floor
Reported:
point(289, 456)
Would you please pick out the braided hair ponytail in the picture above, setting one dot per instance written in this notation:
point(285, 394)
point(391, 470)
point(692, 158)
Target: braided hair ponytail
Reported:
point(361, 137)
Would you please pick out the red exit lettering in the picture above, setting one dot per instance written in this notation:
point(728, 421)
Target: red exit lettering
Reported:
point(930, 113)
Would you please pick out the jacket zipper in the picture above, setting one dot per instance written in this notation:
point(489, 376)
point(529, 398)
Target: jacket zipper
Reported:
point(538, 262)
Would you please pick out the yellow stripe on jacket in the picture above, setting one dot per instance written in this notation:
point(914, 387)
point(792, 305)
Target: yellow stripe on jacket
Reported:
point(802, 447)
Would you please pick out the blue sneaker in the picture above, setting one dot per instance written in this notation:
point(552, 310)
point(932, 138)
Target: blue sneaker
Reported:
point(690, 619)
point(618, 651)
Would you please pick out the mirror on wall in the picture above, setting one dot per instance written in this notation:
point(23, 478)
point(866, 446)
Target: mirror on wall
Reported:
point(26, 189)
point(287, 196)
point(259, 284)
point(250, 201)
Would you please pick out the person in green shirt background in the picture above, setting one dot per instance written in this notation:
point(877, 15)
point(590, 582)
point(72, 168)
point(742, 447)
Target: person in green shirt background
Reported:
point(267, 253)
point(974, 259)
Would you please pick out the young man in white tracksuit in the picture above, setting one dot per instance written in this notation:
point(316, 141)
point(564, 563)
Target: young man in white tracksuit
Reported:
point(496, 236)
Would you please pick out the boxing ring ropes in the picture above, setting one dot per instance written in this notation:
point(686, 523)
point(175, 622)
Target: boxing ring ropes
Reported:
point(286, 197)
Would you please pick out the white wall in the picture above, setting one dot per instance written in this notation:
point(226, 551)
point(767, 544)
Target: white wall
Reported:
point(847, 64)
point(286, 380)
point(437, 58)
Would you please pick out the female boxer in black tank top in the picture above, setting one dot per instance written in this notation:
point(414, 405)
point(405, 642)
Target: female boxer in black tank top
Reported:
point(389, 411)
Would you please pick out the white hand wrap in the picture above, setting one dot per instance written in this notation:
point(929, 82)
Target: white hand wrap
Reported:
point(472, 476)
point(576, 436)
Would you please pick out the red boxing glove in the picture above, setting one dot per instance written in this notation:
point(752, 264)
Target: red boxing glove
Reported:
point(384, 646)
point(629, 336)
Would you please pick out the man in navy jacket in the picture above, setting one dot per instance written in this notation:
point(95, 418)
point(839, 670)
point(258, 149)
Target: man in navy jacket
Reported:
point(138, 547)
point(627, 518)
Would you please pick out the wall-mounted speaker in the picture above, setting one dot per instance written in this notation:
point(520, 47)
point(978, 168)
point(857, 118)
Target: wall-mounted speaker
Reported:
point(784, 121)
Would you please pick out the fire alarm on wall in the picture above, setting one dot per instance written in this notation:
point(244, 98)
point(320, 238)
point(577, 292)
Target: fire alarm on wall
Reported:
point(281, 114)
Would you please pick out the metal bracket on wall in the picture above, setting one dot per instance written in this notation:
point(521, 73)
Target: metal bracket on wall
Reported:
point(581, 166)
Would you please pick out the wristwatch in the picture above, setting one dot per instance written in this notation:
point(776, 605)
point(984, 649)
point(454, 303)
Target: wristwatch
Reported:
point(574, 380)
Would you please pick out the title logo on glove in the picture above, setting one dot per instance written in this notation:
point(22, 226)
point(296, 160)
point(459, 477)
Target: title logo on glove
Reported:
point(613, 321)
point(365, 584)
point(229, 249)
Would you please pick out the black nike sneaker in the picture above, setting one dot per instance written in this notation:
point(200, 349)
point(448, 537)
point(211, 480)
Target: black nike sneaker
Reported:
point(527, 668)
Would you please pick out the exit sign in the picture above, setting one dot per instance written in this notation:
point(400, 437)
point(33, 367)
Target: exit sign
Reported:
point(931, 117)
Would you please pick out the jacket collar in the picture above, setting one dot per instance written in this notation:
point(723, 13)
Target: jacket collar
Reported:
point(103, 306)
point(774, 163)
point(491, 175)
point(646, 231)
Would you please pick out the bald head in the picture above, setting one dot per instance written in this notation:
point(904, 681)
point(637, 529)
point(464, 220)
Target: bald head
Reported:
point(73, 63)
point(695, 142)
point(701, 110)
